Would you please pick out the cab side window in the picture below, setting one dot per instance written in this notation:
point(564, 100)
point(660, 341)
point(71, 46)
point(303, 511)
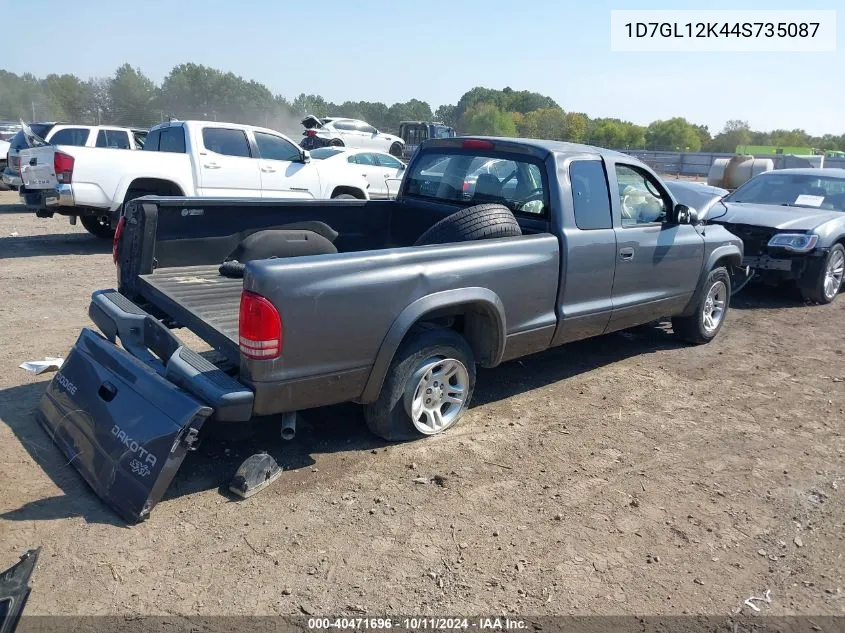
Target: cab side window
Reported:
point(590, 195)
point(640, 197)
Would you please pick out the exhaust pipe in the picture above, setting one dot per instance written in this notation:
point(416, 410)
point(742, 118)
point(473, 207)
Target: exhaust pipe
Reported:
point(289, 425)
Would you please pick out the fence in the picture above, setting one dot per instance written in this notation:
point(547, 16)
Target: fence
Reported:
point(698, 164)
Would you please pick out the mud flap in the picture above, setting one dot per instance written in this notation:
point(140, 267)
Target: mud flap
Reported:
point(124, 427)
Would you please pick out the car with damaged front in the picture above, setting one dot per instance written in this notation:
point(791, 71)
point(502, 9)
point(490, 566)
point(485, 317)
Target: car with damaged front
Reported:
point(792, 224)
point(391, 304)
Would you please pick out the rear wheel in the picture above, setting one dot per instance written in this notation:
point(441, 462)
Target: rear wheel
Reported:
point(396, 150)
point(344, 196)
point(98, 226)
point(336, 142)
point(828, 281)
point(427, 389)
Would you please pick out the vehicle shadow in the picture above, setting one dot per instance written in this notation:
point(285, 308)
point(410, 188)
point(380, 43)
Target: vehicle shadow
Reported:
point(756, 296)
point(17, 406)
point(560, 363)
point(323, 431)
point(53, 245)
point(13, 208)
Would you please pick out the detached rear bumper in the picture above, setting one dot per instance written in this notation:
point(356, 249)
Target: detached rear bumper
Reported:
point(58, 196)
point(126, 416)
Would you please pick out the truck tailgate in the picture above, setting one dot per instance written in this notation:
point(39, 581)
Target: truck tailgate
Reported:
point(125, 416)
point(37, 170)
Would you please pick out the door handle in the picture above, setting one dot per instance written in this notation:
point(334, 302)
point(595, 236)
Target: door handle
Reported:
point(268, 170)
point(627, 253)
point(211, 166)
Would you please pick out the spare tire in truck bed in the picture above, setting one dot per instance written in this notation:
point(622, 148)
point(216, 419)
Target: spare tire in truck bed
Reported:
point(480, 222)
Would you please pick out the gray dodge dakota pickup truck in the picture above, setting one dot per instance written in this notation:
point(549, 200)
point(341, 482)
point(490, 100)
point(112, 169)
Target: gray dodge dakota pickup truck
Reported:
point(494, 248)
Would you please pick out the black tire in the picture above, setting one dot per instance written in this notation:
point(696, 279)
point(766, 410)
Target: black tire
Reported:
point(396, 150)
point(344, 196)
point(336, 142)
point(480, 222)
point(693, 328)
point(98, 226)
point(814, 289)
point(388, 417)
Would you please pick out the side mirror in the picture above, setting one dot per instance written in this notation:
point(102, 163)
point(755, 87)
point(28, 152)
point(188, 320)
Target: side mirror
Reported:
point(305, 156)
point(403, 167)
point(682, 214)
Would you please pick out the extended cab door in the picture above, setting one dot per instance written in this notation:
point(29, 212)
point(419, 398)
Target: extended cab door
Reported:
point(226, 165)
point(658, 261)
point(283, 174)
point(588, 257)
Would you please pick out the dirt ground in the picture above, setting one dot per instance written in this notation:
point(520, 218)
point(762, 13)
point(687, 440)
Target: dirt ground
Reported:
point(629, 474)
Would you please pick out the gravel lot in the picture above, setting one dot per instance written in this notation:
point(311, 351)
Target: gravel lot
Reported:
point(624, 475)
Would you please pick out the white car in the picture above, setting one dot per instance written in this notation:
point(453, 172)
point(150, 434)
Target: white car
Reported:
point(382, 171)
point(340, 132)
point(179, 158)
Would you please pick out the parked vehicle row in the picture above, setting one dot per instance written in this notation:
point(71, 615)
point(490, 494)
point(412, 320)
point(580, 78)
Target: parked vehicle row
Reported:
point(388, 303)
point(179, 158)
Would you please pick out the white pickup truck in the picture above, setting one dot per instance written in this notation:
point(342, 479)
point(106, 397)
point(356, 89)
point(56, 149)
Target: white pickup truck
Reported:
point(179, 158)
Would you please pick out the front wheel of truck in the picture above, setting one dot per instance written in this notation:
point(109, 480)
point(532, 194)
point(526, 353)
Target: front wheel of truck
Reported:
point(427, 388)
point(704, 323)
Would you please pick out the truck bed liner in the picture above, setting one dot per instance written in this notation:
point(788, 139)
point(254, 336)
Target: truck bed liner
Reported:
point(202, 300)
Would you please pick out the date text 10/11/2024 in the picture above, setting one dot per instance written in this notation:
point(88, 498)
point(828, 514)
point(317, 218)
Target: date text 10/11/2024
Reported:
point(418, 624)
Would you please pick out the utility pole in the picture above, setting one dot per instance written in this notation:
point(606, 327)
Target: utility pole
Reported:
point(32, 103)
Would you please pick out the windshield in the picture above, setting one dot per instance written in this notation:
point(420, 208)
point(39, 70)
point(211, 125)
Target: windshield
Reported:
point(792, 190)
point(477, 179)
point(325, 152)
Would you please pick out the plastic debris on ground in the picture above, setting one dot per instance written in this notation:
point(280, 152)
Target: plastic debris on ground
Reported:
point(40, 366)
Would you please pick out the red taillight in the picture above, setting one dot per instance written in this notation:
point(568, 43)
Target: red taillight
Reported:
point(310, 132)
point(477, 143)
point(259, 328)
point(116, 241)
point(63, 166)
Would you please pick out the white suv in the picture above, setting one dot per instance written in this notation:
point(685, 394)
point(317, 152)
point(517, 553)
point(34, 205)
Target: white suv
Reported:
point(341, 132)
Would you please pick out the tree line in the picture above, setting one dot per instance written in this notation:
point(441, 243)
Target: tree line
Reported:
point(194, 91)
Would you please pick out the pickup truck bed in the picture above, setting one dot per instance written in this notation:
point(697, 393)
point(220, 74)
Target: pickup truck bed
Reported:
point(206, 301)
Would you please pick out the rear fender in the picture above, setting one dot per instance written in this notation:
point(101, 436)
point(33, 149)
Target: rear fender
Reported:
point(482, 297)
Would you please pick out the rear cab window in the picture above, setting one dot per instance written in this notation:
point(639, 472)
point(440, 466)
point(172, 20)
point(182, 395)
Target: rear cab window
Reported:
point(473, 177)
point(166, 139)
point(74, 136)
point(590, 195)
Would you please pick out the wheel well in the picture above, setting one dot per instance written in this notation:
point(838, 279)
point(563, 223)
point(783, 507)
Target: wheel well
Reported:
point(476, 322)
point(352, 191)
point(156, 186)
point(728, 260)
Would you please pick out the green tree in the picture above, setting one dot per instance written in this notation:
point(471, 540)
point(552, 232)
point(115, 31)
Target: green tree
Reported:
point(131, 96)
point(576, 125)
point(673, 134)
point(447, 114)
point(734, 133)
point(487, 119)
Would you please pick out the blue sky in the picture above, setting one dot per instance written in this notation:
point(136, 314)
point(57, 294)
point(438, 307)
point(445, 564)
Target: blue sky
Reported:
point(435, 50)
